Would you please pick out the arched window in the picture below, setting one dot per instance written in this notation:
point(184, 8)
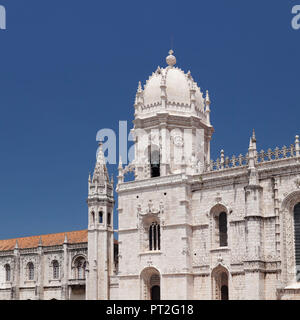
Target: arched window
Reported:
point(80, 265)
point(297, 239)
point(154, 236)
point(223, 229)
point(30, 271)
point(100, 217)
point(55, 266)
point(7, 272)
point(155, 163)
point(109, 219)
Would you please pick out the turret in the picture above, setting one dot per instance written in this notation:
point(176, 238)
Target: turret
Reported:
point(172, 125)
point(100, 230)
point(207, 108)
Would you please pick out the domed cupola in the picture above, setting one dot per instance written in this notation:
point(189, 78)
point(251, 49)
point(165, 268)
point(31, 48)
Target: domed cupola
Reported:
point(172, 129)
point(170, 90)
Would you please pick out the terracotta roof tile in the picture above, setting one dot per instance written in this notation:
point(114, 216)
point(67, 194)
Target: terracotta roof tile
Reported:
point(53, 239)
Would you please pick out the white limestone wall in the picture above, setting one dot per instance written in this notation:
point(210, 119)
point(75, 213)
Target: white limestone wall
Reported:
point(176, 287)
point(238, 287)
point(52, 293)
point(5, 294)
point(28, 293)
point(202, 287)
point(173, 258)
point(129, 288)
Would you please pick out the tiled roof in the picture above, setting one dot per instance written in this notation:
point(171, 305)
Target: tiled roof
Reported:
point(53, 239)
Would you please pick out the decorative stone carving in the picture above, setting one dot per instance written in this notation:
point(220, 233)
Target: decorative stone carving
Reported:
point(150, 209)
point(297, 183)
point(220, 258)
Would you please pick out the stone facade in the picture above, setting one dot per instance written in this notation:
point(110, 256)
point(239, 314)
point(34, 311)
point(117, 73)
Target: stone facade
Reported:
point(226, 226)
point(58, 270)
point(189, 227)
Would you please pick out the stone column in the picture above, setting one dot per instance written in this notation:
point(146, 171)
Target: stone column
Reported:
point(253, 266)
point(65, 278)
point(40, 279)
point(16, 274)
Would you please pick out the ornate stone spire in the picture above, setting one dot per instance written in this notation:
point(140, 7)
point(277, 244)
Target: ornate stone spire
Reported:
point(207, 108)
point(120, 163)
point(139, 90)
point(250, 144)
point(207, 98)
point(66, 238)
point(253, 136)
point(120, 171)
point(100, 172)
point(253, 174)
point(171, 60)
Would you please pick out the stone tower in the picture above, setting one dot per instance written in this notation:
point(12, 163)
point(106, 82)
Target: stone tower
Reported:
point(100, 231)
point(172, 124)
point(172, 134)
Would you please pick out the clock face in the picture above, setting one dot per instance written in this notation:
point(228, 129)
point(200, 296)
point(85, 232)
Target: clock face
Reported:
point(178, 141)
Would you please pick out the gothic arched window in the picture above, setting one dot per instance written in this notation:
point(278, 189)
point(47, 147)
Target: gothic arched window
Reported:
point(223, 229)
point(154, 236)
point(109, 219)
point(55, 266)
point(30, 271)
point(80, 265)
point(297, 239)
point(7, 272)
point(155, 163)
point(100, 217)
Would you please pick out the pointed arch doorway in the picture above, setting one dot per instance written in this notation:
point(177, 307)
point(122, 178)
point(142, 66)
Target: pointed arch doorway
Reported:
point(155, 293)
point(150, 284)
point(220, 287)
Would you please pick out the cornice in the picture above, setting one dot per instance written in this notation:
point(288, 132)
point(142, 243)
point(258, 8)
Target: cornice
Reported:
point(151, 182)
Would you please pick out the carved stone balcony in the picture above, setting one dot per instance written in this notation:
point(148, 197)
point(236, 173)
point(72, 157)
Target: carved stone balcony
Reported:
point(77, 282)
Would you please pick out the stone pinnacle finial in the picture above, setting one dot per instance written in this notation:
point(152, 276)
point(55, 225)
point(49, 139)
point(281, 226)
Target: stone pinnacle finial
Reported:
point(139, 87)
point(66, 238)
point(17, 245)
point(100, 155)
point(120, 164)
point(253, 136)
point(207, 98)
point(250, 144)
point(171, 60)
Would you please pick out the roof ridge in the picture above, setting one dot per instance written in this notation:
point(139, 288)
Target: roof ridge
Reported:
point(48, 240)
point(44, 234)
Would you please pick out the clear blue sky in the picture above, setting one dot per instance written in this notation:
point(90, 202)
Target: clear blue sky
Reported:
point(70, 68)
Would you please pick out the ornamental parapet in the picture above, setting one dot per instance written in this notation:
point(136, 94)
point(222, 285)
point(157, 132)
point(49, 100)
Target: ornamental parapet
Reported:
point(276, 155)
